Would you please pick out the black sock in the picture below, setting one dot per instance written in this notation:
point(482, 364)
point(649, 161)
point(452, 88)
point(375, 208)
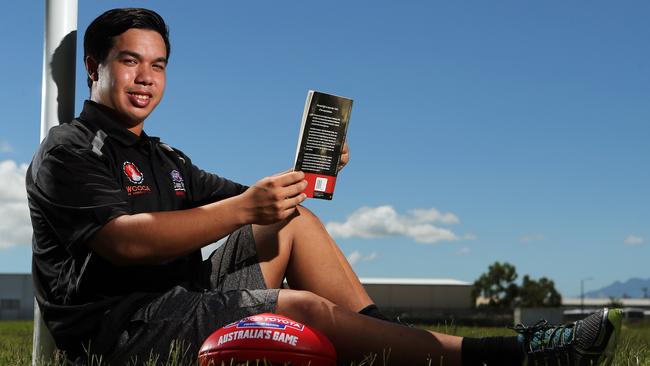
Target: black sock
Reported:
point(373, 311)
point(504, 351)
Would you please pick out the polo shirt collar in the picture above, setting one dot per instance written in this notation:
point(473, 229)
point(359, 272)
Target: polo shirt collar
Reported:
point(104, 118)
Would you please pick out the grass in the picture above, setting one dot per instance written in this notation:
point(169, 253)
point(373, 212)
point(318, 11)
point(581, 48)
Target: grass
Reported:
point(16, 342)
point(16, 345)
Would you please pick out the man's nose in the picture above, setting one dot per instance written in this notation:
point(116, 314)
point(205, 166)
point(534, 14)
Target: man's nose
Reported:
point(144, 75)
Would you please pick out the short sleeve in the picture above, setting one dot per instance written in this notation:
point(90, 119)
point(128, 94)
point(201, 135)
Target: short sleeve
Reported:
point(208, 187)
point(76, 193)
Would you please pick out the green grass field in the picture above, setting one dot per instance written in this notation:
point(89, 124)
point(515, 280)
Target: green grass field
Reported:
point(633, 348)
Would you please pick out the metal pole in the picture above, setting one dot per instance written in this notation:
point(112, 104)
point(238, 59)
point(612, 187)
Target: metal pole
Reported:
point(57, 106)
point(582, 297)
point(59, 60)
point(582, 294)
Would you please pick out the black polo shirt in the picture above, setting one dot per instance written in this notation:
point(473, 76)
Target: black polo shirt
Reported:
point(86, 173)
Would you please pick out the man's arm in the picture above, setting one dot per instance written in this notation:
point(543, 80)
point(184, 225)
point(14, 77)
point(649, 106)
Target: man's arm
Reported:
point(152, 238)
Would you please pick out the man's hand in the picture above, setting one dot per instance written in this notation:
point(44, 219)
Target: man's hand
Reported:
point(274, 198)
point(345, 156)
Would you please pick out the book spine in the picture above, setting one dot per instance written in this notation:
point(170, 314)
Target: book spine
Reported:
point(305, 113)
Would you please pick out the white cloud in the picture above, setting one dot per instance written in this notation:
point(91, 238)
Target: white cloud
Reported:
point(371, 257)
point(356, 257)
point(529, 238)
point(433, 215)
point(634, 240)
point(5, 147)
point(15, 225)
point(384, 221)
point(463, 251)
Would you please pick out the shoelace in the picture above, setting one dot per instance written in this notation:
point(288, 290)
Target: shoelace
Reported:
point(552, 348)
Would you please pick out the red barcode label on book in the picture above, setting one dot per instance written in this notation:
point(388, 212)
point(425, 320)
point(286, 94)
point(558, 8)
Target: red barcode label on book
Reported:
point(321, 184)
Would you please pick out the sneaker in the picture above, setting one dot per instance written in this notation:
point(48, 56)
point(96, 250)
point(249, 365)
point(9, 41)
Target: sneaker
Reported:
point(587, 342)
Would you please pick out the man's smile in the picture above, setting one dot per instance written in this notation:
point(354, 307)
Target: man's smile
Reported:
point(139, 99)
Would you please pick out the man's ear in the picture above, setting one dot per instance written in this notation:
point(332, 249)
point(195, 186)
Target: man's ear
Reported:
point(92, 68)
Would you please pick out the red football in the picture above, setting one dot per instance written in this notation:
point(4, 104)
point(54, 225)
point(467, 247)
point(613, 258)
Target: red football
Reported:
point(268, 337)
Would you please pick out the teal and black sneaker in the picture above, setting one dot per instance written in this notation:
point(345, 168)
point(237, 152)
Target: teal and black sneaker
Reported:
point(587, 342)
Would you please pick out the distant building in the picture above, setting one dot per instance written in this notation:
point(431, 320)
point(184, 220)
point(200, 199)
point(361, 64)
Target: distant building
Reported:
point(633, 309)
point(576, 303)
point(16, 297)
point(413, 298)
point(410, 298)
point(420, 298)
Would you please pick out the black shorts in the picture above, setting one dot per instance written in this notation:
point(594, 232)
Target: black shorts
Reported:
point(236, 290)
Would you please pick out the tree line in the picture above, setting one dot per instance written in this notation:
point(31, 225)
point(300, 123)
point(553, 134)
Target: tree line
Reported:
point(499, 289)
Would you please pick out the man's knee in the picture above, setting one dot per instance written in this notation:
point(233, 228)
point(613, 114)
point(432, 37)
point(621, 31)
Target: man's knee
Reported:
point(304, 306)
point(301, 214)
point(306, 213)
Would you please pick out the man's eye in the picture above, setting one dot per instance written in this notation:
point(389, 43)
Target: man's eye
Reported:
point(160, 67)
point(129, 61)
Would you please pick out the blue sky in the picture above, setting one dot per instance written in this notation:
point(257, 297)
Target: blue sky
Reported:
point(481, 131)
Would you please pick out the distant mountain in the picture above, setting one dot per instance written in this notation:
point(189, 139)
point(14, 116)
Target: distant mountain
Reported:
point(634, 288)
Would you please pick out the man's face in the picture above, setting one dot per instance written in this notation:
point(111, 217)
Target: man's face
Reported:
point(132, 78)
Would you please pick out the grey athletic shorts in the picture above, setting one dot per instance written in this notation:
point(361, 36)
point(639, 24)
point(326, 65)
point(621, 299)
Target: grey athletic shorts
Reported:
point(236, 290)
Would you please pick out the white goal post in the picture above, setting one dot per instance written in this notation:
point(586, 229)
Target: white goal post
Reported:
point(57, 106)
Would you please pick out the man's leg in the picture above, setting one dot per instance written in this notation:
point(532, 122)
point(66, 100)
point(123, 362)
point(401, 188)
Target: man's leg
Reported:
point(355, 336)
point(590, 341)
point(301, 250)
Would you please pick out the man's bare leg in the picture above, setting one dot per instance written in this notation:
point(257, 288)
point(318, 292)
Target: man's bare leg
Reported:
point(302, 250)
point(355, 336)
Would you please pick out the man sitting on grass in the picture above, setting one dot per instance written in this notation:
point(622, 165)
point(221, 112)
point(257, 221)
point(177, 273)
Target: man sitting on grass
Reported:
point(119, 219)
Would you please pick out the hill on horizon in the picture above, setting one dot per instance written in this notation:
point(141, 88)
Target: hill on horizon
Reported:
point(632, 288)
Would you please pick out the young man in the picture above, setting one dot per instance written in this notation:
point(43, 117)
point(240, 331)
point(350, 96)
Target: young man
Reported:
point(119, 219)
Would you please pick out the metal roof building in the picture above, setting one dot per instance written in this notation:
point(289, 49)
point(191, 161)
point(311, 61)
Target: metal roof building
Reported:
point(415, 297)
point(16, 296)
point(602, 302)
point(420, 298)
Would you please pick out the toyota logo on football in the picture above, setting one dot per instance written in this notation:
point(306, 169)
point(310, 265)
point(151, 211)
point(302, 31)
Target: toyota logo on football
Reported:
point(132, 172)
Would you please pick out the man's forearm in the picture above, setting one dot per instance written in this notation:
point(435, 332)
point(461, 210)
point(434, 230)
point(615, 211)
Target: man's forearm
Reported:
point(157, 237)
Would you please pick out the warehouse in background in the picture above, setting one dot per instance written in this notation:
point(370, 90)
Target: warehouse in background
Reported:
point(410, 299)
point(407, 298)
point(420, 298)
point(16, 297)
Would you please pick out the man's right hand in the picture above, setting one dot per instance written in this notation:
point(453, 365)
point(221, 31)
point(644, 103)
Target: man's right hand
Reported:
point(274, 198)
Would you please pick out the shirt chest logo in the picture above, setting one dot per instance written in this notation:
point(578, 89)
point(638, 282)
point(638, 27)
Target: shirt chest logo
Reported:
point(179, 184)
point(136, 177)
point(132, 172)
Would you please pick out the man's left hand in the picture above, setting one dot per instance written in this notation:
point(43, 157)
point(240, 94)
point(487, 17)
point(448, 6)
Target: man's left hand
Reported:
point(345, 156)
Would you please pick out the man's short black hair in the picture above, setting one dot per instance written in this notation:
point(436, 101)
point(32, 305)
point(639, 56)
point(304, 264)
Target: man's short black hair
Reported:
point(98, 39)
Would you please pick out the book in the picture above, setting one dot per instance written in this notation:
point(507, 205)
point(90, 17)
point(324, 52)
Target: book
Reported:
point(323, 128)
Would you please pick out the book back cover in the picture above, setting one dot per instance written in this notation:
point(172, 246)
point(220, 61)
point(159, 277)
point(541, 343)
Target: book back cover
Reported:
point(322, 133)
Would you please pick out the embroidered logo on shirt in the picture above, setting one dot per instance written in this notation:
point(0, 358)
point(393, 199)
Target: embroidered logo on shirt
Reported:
point(179, 184)
point(132, 172)
point(136, 177)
